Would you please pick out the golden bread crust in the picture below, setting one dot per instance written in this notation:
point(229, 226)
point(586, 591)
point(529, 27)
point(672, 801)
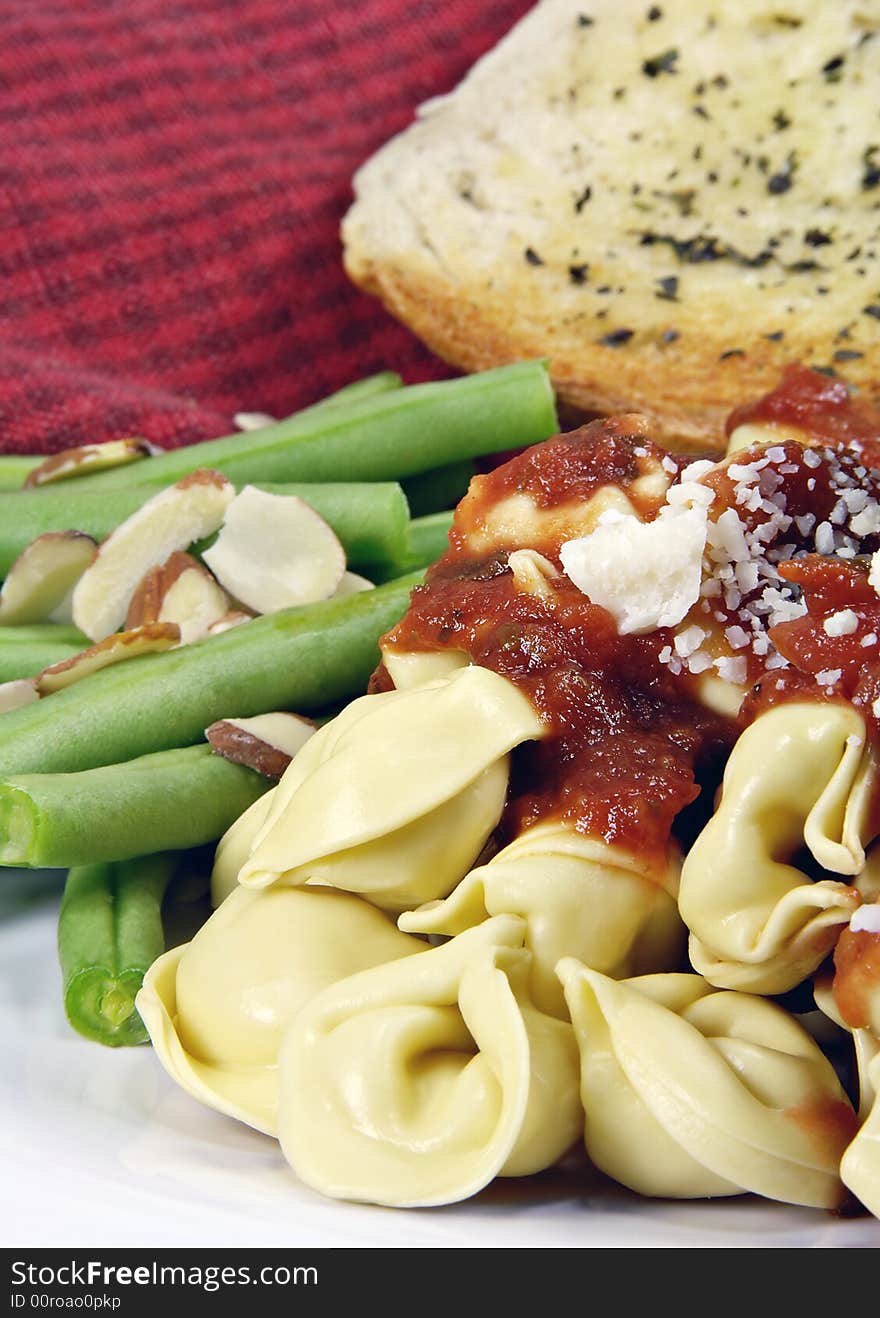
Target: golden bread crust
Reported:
point(535, 215)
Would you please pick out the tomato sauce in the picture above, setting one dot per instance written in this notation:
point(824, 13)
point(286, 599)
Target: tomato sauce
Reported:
point(631, 739)
point(821, 406)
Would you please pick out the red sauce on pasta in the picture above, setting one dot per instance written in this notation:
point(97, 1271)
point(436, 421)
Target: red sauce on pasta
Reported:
point(819, 405)
point(631, 738)
point(857, 977)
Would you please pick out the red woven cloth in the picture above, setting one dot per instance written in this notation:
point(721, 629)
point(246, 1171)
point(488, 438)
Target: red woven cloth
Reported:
point(173, 176)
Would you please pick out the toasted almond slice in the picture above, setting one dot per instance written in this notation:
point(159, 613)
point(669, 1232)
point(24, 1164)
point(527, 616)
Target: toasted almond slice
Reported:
point(146, 602)
point(20, 691)
point(144, 605)
point(195, 601)
point(234, 618)
point(42, 577)
point(274, 551)
point(89, 458)
point(253, 420)
point(180, 591)
point(266, 743)
point(113, 650)
point(352, 584)
point(171, 520)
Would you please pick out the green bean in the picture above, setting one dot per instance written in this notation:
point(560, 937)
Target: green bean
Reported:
point(109, 934)
point(29, 660)
point(386, 436)
point(42, 633)
point(299, 659)
point(169, 801)
point(442, 488)
point(380, 383)
point(370, 519)
point(14, 470)
point(427, 539)
point(27, 650)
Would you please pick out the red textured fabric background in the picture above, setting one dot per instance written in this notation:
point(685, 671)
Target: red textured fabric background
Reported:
point(172, 177)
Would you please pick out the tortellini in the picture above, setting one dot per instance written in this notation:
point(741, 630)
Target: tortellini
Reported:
point(411, 668)
point(217, 1008)
point(801, 774)
point(235, 846)
point(690, 1092)
point(396, 797)
point(860, 1168)
point(418, 1082)
point(579, 897)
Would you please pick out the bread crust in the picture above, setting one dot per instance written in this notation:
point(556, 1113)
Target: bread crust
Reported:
point(693, 333)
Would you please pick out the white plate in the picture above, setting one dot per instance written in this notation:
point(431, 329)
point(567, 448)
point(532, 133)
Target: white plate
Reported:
point(100, 1149)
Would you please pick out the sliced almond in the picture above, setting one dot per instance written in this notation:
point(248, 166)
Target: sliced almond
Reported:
point(352, 584)
point(266, 743)
point(180, 591)
point(171, 520)
point(234, 618)
point(144, 605)
point(21, 691)
point(42, 577)
point(253, 420)
point(195, 601)
point(274, 552)
point(89, 458)
point(113, 650)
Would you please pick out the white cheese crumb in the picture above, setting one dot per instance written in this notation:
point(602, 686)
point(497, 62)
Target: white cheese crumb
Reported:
point(874, 574)
point(842, 623)
point(695, 471)
point(699, 662)
point(732, 670)
point(866, 919)
point(689, 641)
point(824, 538)
point(737, 637)
point(867, 521)
point(646, 574)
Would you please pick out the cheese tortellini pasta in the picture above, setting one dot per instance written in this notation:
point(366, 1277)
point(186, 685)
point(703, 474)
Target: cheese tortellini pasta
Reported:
point(690, 1092)
point(396, 797)
point(217, 1008)
point(860, 1167)
point(799, 776)
point(419, 1081)
point(579, 897)
point(235, 846)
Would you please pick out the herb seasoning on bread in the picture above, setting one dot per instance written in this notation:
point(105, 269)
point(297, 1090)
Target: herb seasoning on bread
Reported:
point(669, 201)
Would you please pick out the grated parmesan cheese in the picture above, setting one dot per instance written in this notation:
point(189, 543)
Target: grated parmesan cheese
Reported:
point(646, 574)
point(866, 920)
point(842, 623)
